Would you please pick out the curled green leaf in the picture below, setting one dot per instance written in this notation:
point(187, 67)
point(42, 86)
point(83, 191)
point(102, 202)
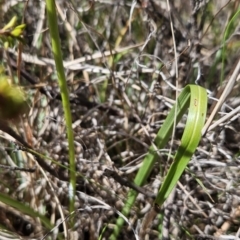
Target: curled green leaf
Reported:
point(194, 98)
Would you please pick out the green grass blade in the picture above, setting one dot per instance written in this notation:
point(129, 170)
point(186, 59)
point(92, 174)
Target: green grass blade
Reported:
point(24, 209)
point(189, 142)
point(227, 33)
point(195, 97)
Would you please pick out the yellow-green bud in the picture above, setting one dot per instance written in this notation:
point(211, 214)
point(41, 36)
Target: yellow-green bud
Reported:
point(12, 101)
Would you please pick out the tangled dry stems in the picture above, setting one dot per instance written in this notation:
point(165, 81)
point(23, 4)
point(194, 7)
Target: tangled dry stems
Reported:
point(114, 99)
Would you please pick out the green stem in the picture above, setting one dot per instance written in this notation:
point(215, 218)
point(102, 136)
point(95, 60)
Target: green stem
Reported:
point(56, 49)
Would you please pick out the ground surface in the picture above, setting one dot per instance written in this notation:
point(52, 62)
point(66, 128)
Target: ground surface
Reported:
point(122, 84)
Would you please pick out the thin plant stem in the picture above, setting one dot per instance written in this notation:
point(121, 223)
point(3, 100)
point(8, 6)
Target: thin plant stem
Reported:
point(56, 49)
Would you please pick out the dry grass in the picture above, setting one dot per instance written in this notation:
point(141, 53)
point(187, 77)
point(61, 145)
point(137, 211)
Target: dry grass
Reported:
point(122, 76)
